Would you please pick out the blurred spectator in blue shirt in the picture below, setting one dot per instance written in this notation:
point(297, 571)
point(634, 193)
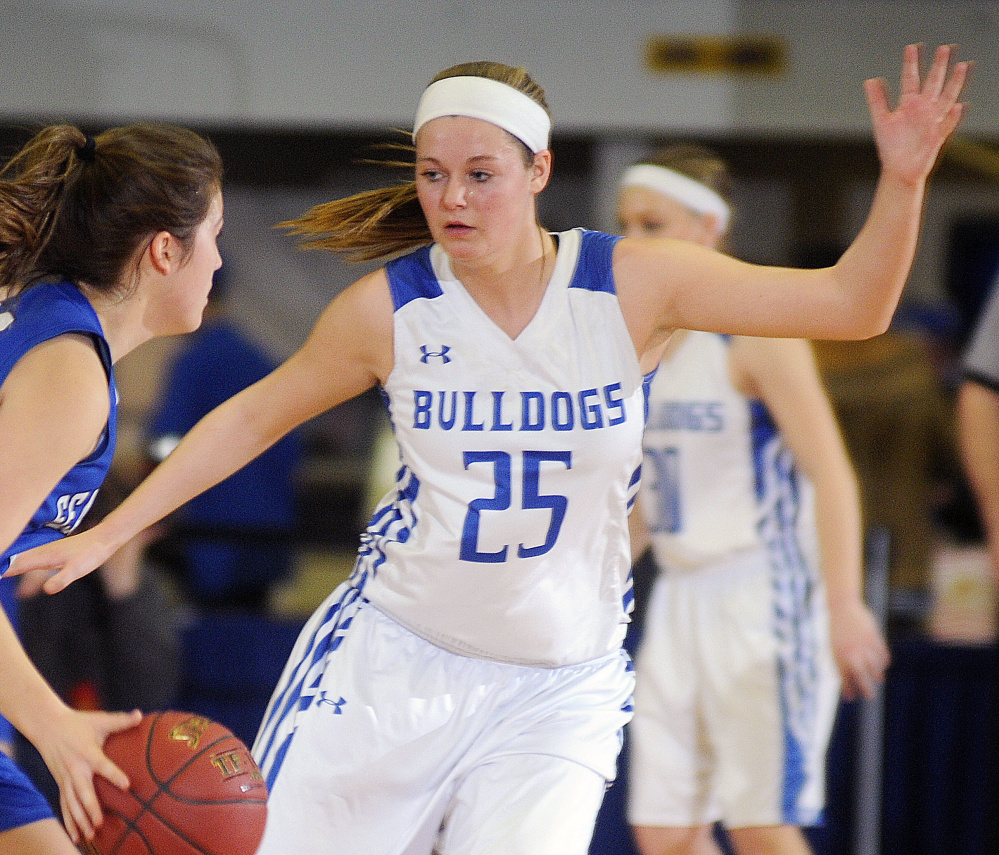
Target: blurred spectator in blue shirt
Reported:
point(233, 542)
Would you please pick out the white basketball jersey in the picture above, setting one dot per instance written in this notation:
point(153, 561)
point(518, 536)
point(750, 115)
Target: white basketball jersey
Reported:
point(506, 535)
point(717, 477)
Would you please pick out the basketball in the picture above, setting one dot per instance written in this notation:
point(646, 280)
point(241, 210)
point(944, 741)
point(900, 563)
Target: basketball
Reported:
point(195, 790)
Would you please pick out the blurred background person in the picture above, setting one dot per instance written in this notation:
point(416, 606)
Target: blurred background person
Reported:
point(233, 542)
point(750, 510)
point(978, 421)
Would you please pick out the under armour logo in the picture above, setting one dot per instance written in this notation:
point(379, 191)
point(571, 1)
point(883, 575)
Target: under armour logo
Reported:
point(442, 353)
point(337, 705)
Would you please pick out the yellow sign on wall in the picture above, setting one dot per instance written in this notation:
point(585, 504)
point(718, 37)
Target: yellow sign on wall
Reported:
point(751, 54)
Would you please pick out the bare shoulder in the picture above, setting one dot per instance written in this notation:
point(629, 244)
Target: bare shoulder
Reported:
point(64, 363)
point(358, 323)
point(61, 381)
point(369, 295)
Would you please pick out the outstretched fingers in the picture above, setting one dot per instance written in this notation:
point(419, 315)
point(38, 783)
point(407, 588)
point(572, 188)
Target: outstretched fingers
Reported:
point(944, 83)
point(911, 61)
point(937, 75)
point(954, 86)
point(876, 90)
point(910, 133)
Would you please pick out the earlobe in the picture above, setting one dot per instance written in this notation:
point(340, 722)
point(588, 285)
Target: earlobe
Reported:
point(161, 252)
point(542, 170)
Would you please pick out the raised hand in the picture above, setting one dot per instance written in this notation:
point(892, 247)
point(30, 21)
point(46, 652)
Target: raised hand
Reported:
point(910, 136)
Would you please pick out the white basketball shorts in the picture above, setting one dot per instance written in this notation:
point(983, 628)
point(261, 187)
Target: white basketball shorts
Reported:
point(735, 699)
point(377, 741)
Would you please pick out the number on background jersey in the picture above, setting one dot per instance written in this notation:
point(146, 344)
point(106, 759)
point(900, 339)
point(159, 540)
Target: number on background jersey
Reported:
point(668, 516)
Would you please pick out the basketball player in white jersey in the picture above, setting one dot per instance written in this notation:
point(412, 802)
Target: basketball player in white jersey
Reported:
point(737, 685)
point(465, 690)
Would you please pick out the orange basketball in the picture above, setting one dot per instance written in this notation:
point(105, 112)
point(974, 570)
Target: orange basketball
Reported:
point(195, 790)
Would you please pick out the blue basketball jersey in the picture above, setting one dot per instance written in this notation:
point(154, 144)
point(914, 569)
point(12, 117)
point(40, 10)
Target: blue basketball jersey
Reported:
point(41, 313)
point(506, 536)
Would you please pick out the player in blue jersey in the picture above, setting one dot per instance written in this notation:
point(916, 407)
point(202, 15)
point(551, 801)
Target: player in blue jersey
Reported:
point(749, 508)
point(105, 242)
point(464, 691)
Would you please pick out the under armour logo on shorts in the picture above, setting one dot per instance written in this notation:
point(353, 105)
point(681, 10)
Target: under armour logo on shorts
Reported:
point(337, 705)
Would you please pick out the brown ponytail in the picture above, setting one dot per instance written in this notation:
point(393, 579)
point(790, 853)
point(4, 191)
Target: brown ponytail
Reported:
point(381, 223)
point(79, 210)
point(31, 188)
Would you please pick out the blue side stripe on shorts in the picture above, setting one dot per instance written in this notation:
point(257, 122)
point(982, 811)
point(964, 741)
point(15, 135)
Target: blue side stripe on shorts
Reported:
point(299, 687)
point(794, 586)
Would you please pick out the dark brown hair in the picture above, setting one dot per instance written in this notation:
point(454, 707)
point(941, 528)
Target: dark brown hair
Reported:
point(380, 223)
point(79, 210)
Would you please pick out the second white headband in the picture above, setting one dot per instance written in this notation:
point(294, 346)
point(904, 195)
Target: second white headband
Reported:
point(489, 100)
point(700, 198)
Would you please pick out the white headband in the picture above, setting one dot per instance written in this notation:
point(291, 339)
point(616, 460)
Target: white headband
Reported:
point(689, 192)
point(489, 100)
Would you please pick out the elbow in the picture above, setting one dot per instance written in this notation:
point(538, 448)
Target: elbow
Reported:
point(878, 326)
point(861, 326)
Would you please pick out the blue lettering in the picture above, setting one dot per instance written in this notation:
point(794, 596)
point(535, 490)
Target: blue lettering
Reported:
point(421, 417)
point(598, 407)
point(614, 404)
point(562, 414)
point(448, 423)
point(715, 416)
point(537, 411)
point(498, 423)
point(532, 498)
point(500, 501)
point(469, 404)
point(590, 415)
point(695, 416)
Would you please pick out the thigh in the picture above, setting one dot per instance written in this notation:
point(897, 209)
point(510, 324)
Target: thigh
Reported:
point(523, 804)
point(43, 837)
point(743, 706)
point(772, 703)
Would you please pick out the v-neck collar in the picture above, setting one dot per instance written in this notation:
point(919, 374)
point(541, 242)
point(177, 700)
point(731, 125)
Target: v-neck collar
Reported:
point(567, 252)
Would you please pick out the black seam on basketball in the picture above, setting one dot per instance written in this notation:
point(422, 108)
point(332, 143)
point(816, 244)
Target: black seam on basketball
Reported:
point(163, 789)
point(187, 765)
point(130, 828)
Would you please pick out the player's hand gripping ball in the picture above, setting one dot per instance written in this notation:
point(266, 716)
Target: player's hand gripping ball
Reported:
point(195, 790)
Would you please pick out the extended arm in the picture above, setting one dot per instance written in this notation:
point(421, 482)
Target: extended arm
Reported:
point(348, 351)
point(53, 406)
point(665, 285)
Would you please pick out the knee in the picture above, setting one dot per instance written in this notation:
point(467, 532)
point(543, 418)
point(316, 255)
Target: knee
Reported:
point(694, 840)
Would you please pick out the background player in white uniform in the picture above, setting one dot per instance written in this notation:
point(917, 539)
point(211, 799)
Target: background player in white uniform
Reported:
point(737, 686)
point(463, 692)
point(105, 243)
